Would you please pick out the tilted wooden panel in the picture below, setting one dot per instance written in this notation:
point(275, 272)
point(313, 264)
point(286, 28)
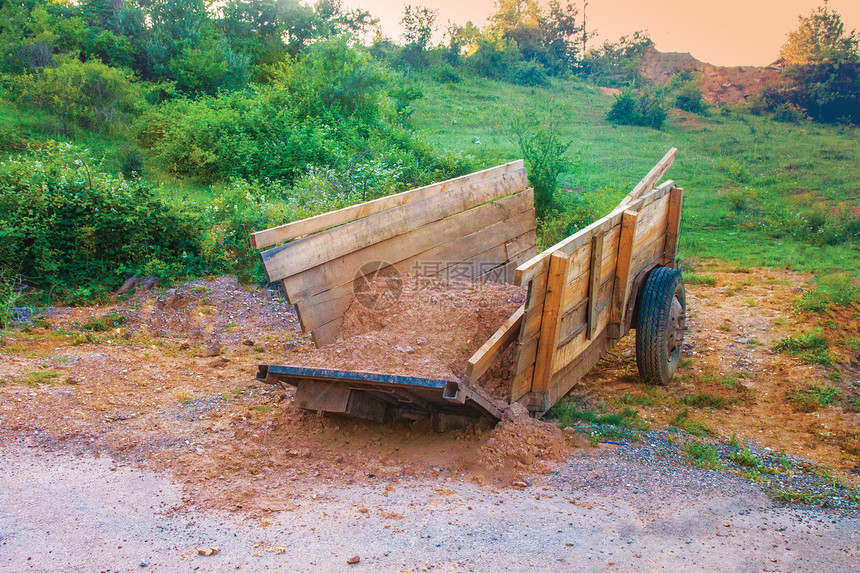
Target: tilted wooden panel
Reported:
point(289, 231)
point(303, 254)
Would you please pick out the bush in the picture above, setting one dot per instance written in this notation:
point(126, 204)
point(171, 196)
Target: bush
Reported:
point(65, 224)
point(645, 109)
point(787, 113)
point(530, 74)
point(545, 153)
point(89, 94)
point(689, 98)
point(446, 74)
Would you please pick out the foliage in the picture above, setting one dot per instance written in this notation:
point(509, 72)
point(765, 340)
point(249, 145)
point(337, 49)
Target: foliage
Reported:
point(617, 63)
point(688, 93)
point(702, 455)
point(745, 458)
point(545, 153)
point(90, 94)
point(643, 109)
point(834, 289)
point(67, 225)
point(812, 347)
point(810, 397)
point(822, 68)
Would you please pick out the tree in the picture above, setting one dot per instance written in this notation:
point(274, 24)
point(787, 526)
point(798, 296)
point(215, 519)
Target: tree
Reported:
point(418, 25)
point(820, 38)
point(822, 68)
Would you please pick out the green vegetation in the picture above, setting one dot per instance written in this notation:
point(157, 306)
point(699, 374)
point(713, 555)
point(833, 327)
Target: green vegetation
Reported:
point(605, 424)
point(684, 421)
point(813, 396)
point(703, 279)
point(745, 458)
point(703, 456)
point(41, 377)
point(104, 323)
point(811, 346)
point(151, 138)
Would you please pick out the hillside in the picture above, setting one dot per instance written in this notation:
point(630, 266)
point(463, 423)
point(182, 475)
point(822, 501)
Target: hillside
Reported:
point(720, 85)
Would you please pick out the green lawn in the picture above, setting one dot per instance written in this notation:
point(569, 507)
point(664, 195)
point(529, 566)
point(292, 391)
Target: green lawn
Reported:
point(758, 192)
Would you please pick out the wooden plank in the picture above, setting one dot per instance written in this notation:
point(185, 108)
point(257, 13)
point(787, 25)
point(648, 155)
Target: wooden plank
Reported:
point(575, 320)
point(673, 226)
point(564, 380)
point(273, 236)
point(467, 232)
point(522, 383)
point(481, 361)
point(549, 321)
point(654, 176)
point(622, 272)
point(594, 281)
point(302, 254)
point(321, 308)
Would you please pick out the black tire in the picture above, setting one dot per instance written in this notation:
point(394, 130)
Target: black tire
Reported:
point(661, 321)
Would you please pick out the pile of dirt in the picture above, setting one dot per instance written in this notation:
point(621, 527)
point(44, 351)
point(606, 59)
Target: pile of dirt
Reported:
point(720, 85)
point(430, 332)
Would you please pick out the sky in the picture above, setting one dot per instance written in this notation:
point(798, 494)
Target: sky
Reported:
point(721, 32)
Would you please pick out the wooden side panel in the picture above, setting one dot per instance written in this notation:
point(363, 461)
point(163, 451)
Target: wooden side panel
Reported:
point(464, 233)
point(673, 226)
point(536, 280)
point(549, 322)
point(303, 254)
point(289, 231)
point(594, 281)
point(481, 361)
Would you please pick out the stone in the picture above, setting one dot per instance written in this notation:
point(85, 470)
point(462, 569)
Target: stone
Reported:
point(353, 560)
point(516, 412)
point(127, 285)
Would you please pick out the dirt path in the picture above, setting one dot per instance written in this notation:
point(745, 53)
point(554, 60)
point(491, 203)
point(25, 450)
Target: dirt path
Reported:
point(598, 513)
point(136, 433)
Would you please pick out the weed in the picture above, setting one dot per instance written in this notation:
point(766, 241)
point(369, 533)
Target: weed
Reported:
point(705, 400)
point(745, 458)
point(104, 323)
point(733, 441)
point(85, 338)
point(835, 289)
point(811, 347)
point(725, 327)
point(41, 377)
point(849, 342)
point(183, 396)
point(697, 279)
point(810, 397)
point(685, 363)
point(690, 425)
point(790, 495)
point(854, 405)
point(702, 456)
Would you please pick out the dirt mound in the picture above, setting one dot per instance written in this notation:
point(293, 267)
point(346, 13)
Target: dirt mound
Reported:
point(720, 85)
point(430, 332)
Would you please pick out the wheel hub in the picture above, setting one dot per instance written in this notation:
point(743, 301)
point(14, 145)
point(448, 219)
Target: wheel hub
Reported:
point(677, 326)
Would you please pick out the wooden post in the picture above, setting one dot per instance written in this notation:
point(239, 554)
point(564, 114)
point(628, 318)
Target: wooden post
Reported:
point(549, 322)
point(622, 273)
point(594, 282)
point(673, 226)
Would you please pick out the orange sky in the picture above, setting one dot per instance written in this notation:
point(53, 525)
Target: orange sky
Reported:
point(724, 32)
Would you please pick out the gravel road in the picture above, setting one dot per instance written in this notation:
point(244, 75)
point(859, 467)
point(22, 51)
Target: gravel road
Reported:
point(600, 512)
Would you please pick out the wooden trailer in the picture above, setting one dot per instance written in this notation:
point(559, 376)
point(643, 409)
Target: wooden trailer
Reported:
point(584, 293)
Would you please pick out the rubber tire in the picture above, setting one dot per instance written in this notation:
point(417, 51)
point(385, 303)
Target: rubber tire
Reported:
point(657, 362)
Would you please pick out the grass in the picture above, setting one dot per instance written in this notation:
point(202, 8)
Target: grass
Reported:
point(811, 347)
point(703, 456)
point(683, 421)
point(813, 396)
point(104, 323)
point(697, 279)
point(838, 289)
point(623, 425)
point(705, 400)
point(47, 377)
point(745, 458)
point(790, 495)
point(774, 195)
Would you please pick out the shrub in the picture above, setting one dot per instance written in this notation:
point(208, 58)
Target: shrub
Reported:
point(447, 74)
point(645, 109)
point(836, 289)
point(702, 455)
point(787, 113)
point(809, 398)
point(529, 74)
point(545, 152)
point(810, 346)
point(89, 94)
point(67, 225)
